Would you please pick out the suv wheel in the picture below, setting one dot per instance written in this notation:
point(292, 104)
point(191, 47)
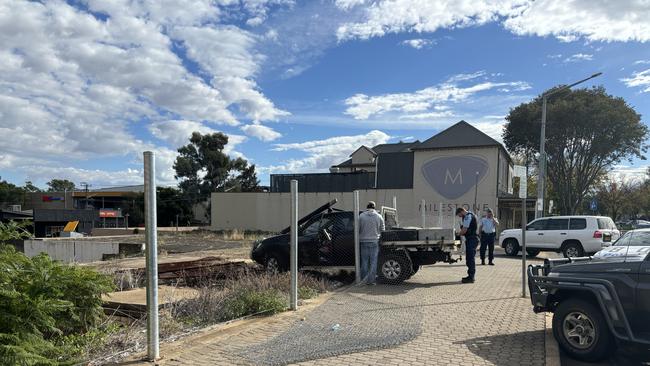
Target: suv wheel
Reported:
point(512, 247)
point(533, 252)
point(273, 265)
point(581, 331)
point(572, 250)
point(394, 268)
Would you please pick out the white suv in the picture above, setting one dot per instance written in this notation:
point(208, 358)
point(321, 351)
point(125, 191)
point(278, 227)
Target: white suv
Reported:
point(574, 236)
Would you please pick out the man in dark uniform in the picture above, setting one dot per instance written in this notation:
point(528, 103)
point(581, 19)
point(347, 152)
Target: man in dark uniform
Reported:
point(468, 229)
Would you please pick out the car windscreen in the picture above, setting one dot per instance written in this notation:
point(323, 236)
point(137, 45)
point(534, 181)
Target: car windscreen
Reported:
point(640, 239)
point(633, 246)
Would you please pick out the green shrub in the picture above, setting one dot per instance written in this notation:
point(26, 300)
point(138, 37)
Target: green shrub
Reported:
point(305, 292)
point(41, 303)
point(246, 301)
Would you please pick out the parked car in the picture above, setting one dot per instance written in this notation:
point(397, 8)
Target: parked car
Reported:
point(640, 224)
point(597, 301)
point(573, 236)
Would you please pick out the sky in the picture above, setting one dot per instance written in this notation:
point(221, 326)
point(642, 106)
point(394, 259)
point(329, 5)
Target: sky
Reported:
point(87, 85)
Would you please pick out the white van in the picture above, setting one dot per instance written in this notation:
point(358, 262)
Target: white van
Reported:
point(574, 236)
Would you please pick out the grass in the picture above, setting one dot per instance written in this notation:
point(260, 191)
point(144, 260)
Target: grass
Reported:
point(248, 293)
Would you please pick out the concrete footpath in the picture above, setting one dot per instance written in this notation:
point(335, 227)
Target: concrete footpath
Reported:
point(432, 319)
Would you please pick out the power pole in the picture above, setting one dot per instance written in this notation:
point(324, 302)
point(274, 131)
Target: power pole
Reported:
point(85, 185)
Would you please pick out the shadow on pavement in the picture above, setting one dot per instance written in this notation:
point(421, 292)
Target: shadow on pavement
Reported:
point(385, 289)
point(508, 349)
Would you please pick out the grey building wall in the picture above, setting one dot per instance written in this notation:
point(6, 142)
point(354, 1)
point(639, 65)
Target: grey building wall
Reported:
point(444, 178)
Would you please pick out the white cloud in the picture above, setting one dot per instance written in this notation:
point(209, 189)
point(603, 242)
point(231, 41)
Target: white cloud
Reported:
point(579, 57)
point(492, 129)
point(623, 20)
point(464, 77)
point(629, 174)
point(321, 154)
point(570, 20)
point(642, 62)
point(428, 115)
point(74, 84)
point(263, 133)
point(639, 79)
point(394, 16)
point(178, 132)
point(417, 43)
point(348, 4)
point(362, 106)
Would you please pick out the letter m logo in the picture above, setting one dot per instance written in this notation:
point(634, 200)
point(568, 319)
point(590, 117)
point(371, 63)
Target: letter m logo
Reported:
point(458, 177)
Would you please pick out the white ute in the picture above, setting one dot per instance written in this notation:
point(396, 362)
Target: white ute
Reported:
point(574, 236)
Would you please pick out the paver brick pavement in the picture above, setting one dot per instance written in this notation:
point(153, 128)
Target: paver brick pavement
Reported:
point(449, 323)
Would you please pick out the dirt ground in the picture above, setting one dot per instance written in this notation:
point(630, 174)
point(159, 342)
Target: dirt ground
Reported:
point(184, 246)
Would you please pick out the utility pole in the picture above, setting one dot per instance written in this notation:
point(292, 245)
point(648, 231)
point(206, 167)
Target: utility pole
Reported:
point(85, 185)
point(541, 181)
point(476, 192)
point(151, 255)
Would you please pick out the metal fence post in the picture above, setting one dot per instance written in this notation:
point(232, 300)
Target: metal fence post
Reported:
point(424, 213)
point(523, 247)
point(294, 246)
point(357, 257)
point(153, 350)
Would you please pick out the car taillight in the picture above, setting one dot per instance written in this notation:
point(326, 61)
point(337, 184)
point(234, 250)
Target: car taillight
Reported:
point(598, 234)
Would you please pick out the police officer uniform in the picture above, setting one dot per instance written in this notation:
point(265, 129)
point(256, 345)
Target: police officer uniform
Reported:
point(471, 242)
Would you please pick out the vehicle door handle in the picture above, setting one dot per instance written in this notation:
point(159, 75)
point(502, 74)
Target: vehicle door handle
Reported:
point(562, 233)
point(540, 233)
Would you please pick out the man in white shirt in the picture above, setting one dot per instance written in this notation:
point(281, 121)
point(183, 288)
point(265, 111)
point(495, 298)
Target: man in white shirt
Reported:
point(371, 224)
point(488, 230)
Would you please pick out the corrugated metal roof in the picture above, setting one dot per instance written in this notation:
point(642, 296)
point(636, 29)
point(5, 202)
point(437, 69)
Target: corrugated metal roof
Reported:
point(460, 135)
point(134, 188)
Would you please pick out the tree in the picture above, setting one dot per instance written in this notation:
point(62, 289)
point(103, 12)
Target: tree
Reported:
point(30, 187)
point(60, 185)
point(10, 194)
point(171, 202)
point(204, 168)
point(587, 132)
point(613, 197)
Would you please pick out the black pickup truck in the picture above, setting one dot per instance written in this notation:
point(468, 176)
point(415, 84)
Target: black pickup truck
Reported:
point(597, 302)
point(326, 241)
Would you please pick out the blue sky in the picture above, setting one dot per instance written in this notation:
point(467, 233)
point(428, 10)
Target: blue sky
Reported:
point(86, 86)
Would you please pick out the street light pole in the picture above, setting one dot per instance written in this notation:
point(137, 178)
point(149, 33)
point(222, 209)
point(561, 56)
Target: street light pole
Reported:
point(541, 180)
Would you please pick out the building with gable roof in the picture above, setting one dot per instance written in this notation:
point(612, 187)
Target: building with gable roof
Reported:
point(459, 167)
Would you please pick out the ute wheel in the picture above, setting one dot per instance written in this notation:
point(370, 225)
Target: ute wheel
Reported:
point(581, 331)
point(572, 249)
point(532, 252)
point(274, 265)
point(512, 247)
point(394, 268)
point(416, 268)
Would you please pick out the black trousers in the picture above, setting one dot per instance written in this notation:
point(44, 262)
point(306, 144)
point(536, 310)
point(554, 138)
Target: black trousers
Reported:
point(470, 255)
point(487, 242)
